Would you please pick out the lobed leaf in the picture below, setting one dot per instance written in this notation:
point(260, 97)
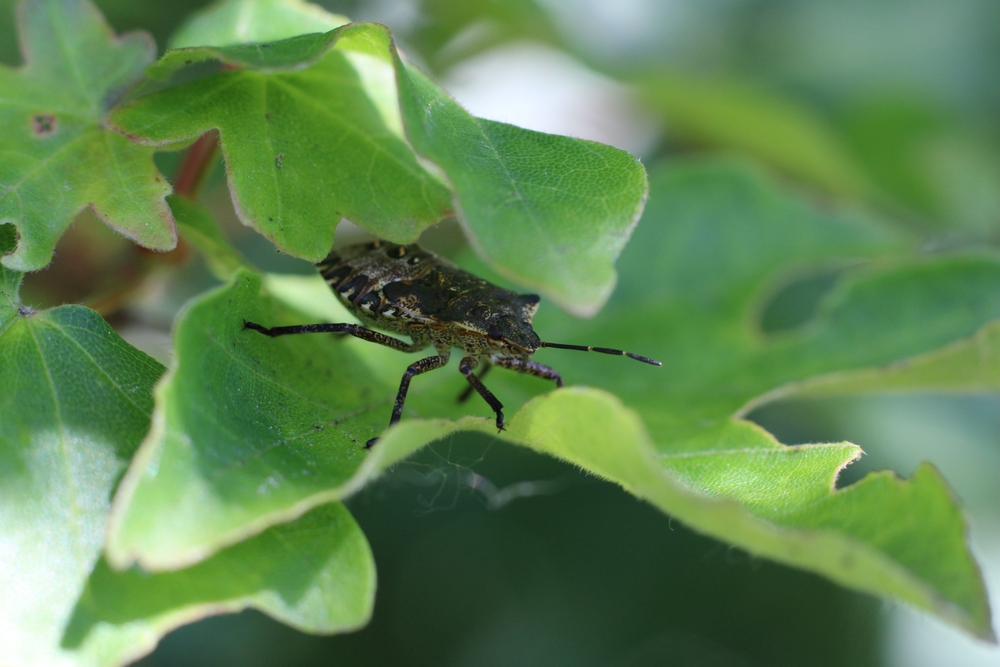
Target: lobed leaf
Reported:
point(235, 446)
point(58, 155)
point(549, 212)
point(302, 148)
point(74, 403)
point(75, 400)
point(258, 430)
point(315, 574)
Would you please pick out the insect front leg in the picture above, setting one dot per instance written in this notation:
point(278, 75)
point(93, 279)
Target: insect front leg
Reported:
point(467, 366)
point(464, 396)
point(531, 368)
point(416, 368)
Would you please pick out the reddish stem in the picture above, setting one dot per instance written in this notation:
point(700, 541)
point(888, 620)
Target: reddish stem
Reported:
point(196, 165)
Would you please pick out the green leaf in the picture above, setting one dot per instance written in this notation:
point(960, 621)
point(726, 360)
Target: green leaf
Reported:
point(454, 30)
point(930, 162)
point(75, 401)
point(303, 148)
point(316, 574)
point(253, 22)
point(58, 155)
point(969, 365)
point(551, 213)
point(722, 113)
point(257, 430)
point(270, 444)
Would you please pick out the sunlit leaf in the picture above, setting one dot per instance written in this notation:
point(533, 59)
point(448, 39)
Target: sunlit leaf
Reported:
point(549, 212)
point(58, 154)
point(74, 403)
point(75, 400)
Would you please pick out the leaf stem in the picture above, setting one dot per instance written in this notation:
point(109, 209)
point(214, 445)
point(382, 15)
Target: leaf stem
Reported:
point(196, 165)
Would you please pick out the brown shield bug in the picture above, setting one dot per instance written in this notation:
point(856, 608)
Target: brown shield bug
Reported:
point(412, 291)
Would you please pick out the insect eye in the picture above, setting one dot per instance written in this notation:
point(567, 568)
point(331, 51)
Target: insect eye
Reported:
point(495, 334)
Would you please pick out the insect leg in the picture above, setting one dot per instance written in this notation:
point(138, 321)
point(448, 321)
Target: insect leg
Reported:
point(353, 329)
point(467, 366)
point(416, 368)
point(531, 368)
point(464, 396)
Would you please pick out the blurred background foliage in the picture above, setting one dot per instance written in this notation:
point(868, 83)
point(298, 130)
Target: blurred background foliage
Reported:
point(889, 105)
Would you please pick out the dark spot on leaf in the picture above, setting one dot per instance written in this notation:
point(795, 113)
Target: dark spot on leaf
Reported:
point(270, 219)
point(188, 62)
point(43, 124)
point(277, 160)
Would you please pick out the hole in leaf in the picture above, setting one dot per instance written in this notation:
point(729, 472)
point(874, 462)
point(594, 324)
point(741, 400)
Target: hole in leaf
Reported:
point(8, 238)
point(43, 124)
point(795, 303)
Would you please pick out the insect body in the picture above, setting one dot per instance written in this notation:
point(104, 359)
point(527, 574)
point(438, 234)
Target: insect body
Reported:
point(411, 291)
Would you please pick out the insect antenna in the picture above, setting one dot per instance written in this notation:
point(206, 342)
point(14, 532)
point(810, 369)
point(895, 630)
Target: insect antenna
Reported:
point(603, 350)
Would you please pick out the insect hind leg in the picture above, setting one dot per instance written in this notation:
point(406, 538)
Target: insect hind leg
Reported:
point(467, 366)
point(355, 330)
point(416, 368)
point(464, 396)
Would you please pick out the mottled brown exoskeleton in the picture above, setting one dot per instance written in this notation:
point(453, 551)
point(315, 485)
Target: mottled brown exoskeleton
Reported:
point(412, 291)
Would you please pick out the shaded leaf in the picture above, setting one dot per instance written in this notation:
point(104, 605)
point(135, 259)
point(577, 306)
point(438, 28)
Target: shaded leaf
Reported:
point(970, 365)
point(290, 435)
point(58, 155)
point(197, 225)
point(253, 22)
point(930, 162)
point(458, 29)
point(734, 114)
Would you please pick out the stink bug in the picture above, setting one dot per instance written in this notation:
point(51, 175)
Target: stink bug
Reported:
point(409, 290)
